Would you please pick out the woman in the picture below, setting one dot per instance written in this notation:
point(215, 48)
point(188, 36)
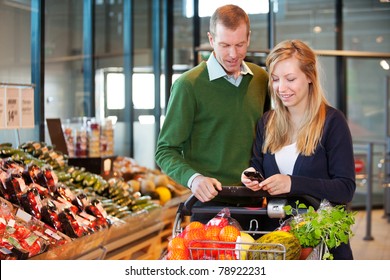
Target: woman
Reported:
point(303, 146)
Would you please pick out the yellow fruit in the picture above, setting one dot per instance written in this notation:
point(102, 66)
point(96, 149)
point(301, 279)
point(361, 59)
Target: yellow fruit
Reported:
point(164, 193)
point(266, 246)
point(244, 242)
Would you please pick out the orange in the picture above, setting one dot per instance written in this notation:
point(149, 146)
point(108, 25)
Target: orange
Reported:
point(194, 234)
point(229, 233)
point(193, 225)
point(212, 232)
point(176, 243)
point(178, 254)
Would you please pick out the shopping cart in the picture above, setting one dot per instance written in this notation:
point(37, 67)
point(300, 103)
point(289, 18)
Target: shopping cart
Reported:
point(274, 209)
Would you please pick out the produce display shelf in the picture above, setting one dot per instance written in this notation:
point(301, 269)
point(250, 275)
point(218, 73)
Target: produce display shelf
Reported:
point(145, 249)
point(80, 248)
point(142, 245)
point(96, 254)
point(132, 225)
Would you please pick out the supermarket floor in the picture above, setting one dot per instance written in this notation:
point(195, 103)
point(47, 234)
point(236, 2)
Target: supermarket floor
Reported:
point(379, 247)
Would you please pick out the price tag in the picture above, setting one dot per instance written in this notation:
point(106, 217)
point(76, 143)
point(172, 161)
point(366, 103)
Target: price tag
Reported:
point(12, 108)
point(2, 107)
point(23, 215)
point(27, 96)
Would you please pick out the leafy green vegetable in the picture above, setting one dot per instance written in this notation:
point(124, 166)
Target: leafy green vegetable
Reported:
point(331, 225)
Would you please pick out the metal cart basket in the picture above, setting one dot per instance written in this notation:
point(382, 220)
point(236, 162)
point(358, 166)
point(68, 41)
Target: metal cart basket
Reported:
point(219, 250)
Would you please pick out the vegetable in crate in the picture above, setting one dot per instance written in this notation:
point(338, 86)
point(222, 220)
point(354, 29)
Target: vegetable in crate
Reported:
point(31, 202)
point(94, 209)
point(50, 215)
point(12, 187)
point(70, 225)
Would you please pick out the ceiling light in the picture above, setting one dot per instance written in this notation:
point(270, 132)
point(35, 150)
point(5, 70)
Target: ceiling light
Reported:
point(379, 39)
point(317, 29)
point(384, 64)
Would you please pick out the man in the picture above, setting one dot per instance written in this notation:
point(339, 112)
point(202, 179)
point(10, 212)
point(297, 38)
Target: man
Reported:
point(207, 136)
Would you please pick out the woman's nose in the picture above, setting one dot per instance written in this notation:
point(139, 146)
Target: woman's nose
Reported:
point(281, 86)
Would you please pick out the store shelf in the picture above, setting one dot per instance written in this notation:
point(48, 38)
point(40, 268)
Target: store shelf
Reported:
point(144, 244)
point(132, 225)
point(147, 248)
point(87, 247)
point(96, 254)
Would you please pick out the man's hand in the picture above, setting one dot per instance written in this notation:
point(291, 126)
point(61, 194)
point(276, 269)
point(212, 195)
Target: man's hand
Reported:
point(205, 188)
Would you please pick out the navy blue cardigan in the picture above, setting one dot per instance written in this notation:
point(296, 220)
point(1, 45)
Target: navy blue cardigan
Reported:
point(328, 174)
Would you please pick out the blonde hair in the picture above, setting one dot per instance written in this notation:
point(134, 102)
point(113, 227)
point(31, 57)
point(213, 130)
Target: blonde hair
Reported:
point(279, 128)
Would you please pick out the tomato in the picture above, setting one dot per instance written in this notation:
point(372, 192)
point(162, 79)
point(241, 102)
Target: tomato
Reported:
point(21, 232)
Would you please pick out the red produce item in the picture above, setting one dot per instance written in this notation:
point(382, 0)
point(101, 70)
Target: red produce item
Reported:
point(50, 215)
point(31, 202)
point(70, 225)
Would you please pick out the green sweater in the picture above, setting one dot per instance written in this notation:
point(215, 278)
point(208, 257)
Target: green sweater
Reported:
point(209, 126)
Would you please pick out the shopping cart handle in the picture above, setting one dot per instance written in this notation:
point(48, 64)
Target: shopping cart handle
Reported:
point(242, 191)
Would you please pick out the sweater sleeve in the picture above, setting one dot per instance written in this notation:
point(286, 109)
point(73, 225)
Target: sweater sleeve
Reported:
point(175, 131)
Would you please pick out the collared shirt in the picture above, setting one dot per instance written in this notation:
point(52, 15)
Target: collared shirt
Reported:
point(216, 71)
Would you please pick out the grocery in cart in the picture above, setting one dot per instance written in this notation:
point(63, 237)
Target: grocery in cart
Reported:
point(222, 238)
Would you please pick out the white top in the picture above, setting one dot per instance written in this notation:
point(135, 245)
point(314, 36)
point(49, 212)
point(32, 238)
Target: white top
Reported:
point(286, 157)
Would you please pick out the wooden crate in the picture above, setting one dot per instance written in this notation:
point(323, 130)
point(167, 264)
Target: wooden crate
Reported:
point(96, 254)
point(147, 248)
point(145, 244)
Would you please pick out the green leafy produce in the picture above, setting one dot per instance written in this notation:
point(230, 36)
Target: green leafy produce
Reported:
point(331, 225)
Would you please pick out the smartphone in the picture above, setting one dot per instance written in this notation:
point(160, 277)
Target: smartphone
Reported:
point(254, 175)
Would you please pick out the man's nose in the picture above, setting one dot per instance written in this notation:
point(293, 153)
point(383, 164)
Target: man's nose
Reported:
point(233, 52)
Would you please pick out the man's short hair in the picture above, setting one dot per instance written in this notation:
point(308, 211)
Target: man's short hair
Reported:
point(230, 16)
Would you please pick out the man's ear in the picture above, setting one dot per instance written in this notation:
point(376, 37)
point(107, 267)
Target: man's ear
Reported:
point(211, 39)
point(249, 38)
